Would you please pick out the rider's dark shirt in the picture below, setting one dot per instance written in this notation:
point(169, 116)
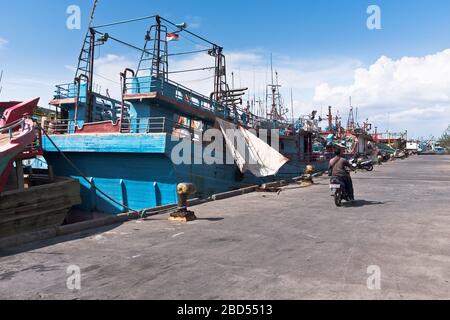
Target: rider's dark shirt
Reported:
point(339, 164)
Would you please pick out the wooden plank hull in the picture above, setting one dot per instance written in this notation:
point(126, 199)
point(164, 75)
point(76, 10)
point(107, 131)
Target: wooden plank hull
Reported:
point(37, 208)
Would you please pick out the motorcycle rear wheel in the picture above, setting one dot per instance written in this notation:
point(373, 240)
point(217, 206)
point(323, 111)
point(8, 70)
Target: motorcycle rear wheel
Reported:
point(338, 198)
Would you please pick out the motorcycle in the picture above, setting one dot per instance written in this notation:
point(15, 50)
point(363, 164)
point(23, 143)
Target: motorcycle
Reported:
point(337, 188)
point(361, 164)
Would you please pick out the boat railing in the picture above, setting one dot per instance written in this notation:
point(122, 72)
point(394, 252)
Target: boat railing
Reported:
point(128, 125)
point(59, 126)
point(143, 125)
point(168, 88)
point(62, 91)
point(71, 91)
point(11, 130)
point(154, 125)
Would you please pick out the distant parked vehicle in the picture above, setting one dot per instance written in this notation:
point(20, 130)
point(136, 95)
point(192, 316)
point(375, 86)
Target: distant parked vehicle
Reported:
point(412, 147)
point(361, 164)
point(385, 156)
point(399, 154)
point(439, 150)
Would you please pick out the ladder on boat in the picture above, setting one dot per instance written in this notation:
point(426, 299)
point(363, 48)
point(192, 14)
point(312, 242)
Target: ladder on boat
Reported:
point(85, 54)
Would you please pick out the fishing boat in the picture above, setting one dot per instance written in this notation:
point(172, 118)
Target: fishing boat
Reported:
point(28, 203)
point(355, 140)
point(122, 150)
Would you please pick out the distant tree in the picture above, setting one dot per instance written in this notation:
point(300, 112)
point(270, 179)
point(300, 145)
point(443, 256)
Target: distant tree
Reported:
point(445, 139)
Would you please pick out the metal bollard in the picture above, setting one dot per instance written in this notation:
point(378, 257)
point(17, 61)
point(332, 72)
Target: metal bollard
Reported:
point(184, 190)
point(308, 176)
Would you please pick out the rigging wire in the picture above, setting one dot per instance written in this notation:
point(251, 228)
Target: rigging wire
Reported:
point(199, 80)
point(192, 70)
point(183, 36)
point(125, 43)
point(124, 21)
point(105, 78)
point(185, 53)
point(189, 32)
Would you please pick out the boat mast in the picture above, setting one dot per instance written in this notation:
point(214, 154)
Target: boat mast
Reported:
point(351, 118)
point(292, 106)
point(222, 92)
point(273, 112)
point(86, 63)
point(160, 64)
point(158, 46)
point(274, 95)
point(90, 96)
point(85, 54)
point(330, 121)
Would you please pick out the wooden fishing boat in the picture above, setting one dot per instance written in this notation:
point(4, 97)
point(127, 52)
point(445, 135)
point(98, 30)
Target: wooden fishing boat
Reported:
point(39, 207)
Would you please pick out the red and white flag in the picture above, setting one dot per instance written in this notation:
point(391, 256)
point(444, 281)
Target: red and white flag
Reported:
point(172, 37)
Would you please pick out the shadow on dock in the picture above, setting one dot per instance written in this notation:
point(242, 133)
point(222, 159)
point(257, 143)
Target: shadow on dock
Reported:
point(362, 203)
point(39, 244)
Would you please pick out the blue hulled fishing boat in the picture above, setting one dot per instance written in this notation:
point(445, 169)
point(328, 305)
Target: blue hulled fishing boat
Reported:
point(122, 150)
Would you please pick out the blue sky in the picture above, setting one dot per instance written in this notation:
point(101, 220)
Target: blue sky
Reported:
point(312, 36)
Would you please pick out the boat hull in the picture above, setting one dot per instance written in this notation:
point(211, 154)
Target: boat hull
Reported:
point(37, 208)
point(137, 171)
point(136, 180)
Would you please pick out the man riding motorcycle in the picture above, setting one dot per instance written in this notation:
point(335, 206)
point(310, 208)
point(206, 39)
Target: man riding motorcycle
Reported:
point(337, 168)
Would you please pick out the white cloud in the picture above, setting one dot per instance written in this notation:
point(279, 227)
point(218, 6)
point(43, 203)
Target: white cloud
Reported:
point(193, 22)
point(107, 73)
point(412, 92)
point(23, 87)
point(71, 68)
point(3, 42)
